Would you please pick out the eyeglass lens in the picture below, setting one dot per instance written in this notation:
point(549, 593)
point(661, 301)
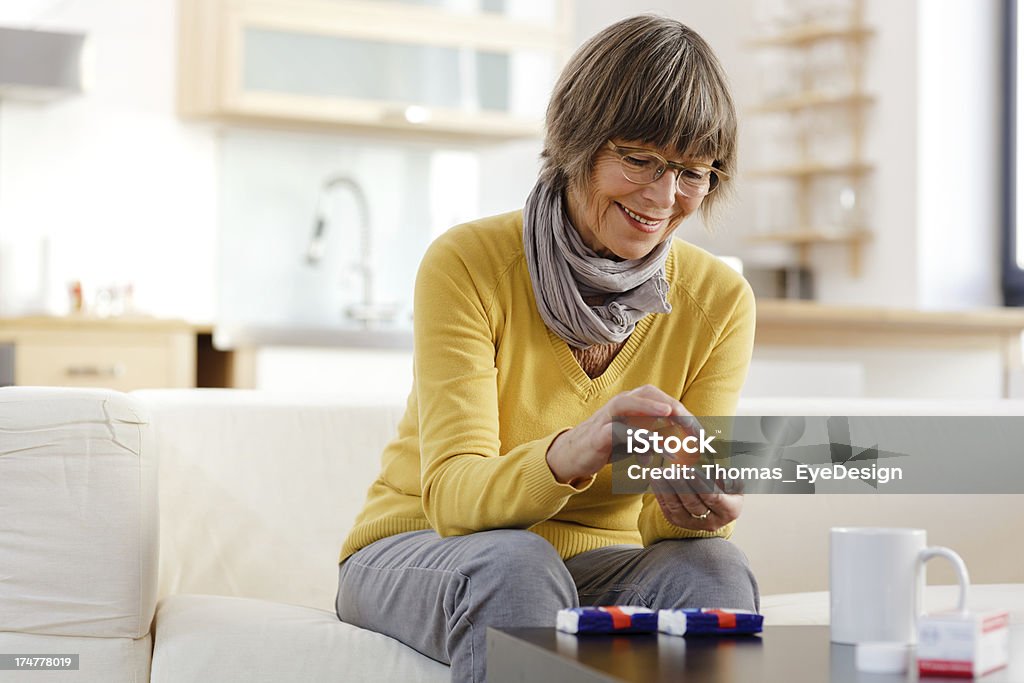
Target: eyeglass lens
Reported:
point(643, 168)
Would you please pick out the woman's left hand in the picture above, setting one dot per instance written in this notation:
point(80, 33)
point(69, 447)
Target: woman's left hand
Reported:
point(691, 506)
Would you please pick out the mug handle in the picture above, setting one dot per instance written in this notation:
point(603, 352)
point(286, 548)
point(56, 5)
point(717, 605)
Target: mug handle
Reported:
point(958, 564)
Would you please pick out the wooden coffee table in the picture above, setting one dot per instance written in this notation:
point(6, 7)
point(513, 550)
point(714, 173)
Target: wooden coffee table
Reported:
point(794, 654)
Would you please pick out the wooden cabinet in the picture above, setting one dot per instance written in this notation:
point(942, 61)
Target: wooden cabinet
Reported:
point(87, 352)
point(406, 66)
point(813, 108)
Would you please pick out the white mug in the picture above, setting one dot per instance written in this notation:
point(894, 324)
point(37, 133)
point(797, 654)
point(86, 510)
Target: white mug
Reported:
point(876, 578)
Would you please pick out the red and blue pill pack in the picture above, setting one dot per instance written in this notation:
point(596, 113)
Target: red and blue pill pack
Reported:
point(676, 622)
point(596, 620)
point(708, 621)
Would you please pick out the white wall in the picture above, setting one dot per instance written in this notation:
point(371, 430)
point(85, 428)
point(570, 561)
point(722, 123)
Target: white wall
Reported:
point(935, 68)
point(128, 192)
point(959, 134)
point(888, 275)
point(124, 191)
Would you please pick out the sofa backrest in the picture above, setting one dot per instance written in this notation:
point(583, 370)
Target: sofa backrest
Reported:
point(258, 489)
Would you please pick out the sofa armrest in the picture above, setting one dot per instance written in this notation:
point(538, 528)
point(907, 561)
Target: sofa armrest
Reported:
point(78, 514)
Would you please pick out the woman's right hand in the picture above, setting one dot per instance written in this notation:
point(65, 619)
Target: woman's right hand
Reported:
point(580, 453)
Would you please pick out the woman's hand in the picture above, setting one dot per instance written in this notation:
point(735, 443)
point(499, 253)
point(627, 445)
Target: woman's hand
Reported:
point(697, 505)
point(580, 453)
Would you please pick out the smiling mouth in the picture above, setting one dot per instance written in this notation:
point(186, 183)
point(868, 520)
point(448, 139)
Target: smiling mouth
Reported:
point(640, 218)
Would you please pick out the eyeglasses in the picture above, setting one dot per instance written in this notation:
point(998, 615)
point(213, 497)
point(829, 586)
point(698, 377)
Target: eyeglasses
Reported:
point(643, 167)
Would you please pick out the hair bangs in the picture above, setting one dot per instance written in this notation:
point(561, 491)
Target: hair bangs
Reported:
point(679, 110)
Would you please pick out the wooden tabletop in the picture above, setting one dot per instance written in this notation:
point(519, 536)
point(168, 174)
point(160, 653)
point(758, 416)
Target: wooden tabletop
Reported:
point(794, 654)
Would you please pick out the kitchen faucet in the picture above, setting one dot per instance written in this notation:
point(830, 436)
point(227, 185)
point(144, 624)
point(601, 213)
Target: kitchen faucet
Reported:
point(368, 311)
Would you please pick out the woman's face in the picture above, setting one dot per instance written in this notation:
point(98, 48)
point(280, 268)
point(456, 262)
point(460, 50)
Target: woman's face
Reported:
point(622, 219)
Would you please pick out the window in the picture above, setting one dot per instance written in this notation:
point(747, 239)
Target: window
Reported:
point(1013, 193)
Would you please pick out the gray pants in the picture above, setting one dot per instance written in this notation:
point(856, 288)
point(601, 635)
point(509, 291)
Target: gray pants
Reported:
point(439, 595)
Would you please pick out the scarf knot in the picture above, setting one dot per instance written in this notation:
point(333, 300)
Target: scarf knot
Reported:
point(564, 271)
point(617, 314)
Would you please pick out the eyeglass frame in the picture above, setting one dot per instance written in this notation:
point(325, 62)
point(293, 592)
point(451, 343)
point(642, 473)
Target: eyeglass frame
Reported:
point(622, 152)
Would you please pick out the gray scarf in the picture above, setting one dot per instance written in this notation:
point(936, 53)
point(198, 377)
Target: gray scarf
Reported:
point(564, 270)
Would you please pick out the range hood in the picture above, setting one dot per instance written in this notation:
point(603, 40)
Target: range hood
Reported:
point(40, 65)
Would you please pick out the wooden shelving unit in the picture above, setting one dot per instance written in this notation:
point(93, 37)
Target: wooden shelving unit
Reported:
point(807, 170)
point(812, 169)
point(803, 240)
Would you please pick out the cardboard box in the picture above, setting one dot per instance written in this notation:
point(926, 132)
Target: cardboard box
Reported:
point(963, 644)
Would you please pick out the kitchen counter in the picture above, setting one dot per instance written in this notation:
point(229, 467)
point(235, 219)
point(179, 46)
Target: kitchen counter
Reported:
point(234, 336)
point(885, 341)
point(123, 352)
point(778, 322)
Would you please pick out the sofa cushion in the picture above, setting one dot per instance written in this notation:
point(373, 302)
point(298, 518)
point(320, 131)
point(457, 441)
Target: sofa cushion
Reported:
point(786, 536)
point(100, 660)
point(793, 609)
point(78, 524)
point(214, 638)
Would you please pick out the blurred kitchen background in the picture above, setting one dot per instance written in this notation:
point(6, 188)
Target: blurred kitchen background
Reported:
point(238, 192)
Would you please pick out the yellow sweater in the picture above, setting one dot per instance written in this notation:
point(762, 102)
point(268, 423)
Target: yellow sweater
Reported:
point(493, 387)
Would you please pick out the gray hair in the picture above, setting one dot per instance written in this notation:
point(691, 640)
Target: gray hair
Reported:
point(646, 78)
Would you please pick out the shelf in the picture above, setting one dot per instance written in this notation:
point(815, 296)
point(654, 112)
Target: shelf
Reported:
point(807, 34)
point(811, 100)
point(803, 240)
point(809, 170)
point(812, 236)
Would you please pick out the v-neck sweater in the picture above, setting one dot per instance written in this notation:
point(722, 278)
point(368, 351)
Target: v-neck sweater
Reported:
point(493, 387)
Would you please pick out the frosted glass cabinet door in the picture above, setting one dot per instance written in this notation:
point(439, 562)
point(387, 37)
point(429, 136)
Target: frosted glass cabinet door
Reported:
point(467, 67)
point(393, 72)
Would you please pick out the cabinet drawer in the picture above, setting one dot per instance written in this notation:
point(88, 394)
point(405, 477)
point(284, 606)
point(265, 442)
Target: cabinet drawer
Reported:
point(151, 361)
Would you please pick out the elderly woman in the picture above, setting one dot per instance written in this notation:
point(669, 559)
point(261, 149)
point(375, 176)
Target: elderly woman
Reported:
point(532, 330)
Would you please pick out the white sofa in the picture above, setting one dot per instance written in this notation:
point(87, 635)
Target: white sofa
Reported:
point(253, 492)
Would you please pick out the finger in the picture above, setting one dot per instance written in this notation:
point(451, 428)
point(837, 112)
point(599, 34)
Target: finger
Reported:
point(654, 393)
point(695, 506)
point(728, 507)
point(700, 484)
point(671, 505)
point(706, 489)
point(691, 504)
point(632, 404)
point(678, 515)
point(684, 487)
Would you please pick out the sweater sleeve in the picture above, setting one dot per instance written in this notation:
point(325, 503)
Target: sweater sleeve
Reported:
point(468, 484)
point(714, 392)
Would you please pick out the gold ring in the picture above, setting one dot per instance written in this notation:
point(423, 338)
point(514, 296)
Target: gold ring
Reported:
point(704, 516)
